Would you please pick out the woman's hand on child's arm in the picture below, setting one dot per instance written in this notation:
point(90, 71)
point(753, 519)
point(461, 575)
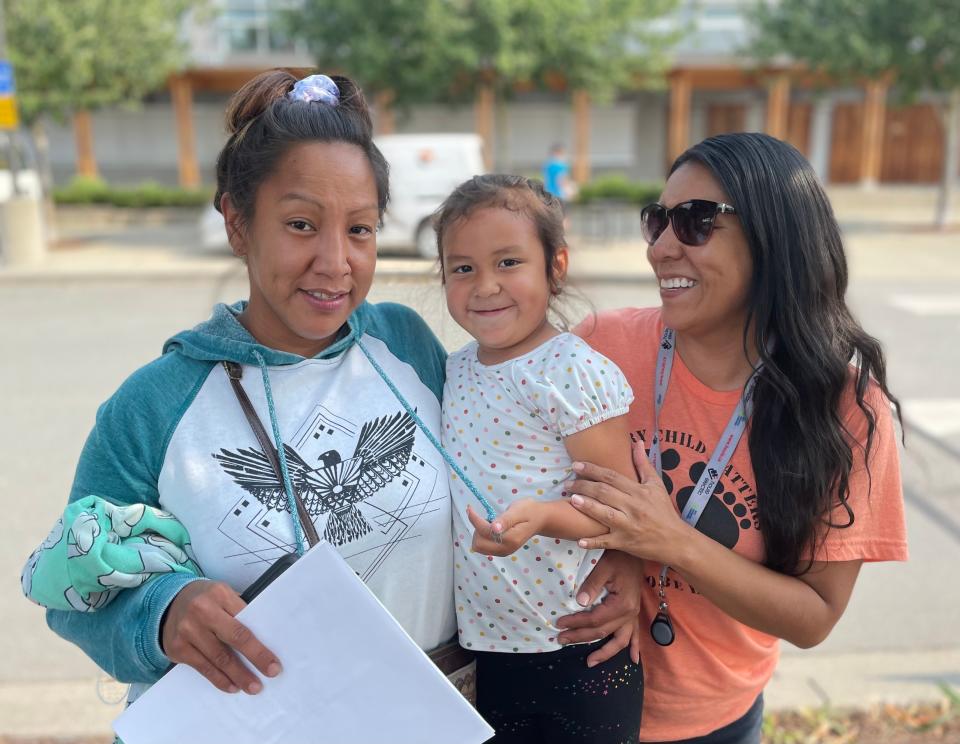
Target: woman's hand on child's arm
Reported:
point(608, 443)
point(200, 630)
point(643, 521)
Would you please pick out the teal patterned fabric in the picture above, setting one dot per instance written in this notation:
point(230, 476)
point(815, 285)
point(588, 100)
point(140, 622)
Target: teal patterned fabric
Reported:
point(96, 549)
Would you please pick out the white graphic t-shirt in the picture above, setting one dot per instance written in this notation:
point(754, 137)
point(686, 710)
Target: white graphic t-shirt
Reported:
point(372, 483)
point(505, 424)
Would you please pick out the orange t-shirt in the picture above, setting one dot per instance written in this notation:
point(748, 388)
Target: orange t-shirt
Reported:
point(716, 667)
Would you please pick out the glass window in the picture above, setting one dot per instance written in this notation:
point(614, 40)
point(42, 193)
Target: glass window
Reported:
point(279, 40)
point(243, 39)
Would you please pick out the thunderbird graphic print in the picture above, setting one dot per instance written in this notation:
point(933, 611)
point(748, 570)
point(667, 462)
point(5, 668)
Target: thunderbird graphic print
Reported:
point(334, 486)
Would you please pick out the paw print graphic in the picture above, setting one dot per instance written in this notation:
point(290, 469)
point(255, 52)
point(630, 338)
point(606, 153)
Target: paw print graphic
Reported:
point(724, 517)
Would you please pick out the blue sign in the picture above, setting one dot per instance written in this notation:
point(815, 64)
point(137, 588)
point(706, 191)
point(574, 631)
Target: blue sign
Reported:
point(6, 78)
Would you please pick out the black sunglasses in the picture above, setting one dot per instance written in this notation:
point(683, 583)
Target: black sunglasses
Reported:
point(692, 220)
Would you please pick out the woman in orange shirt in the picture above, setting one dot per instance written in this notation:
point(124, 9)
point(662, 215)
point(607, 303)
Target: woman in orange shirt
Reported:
point(746, 540)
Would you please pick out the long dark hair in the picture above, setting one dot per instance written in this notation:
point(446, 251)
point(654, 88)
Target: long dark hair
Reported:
point(263, 124)
point(801, 450)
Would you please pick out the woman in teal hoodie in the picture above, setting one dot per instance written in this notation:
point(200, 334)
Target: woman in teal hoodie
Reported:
point(302, 189)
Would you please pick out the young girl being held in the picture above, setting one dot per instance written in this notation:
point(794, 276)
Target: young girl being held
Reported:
point(520, 404)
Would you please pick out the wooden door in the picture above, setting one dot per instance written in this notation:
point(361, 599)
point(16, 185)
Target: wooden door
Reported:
point(798, 126)
point(723, 118)
point(913, 145)
point(845, 142)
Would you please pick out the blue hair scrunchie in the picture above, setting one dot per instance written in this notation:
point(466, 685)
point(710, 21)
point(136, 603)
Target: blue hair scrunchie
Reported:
point(315, 88)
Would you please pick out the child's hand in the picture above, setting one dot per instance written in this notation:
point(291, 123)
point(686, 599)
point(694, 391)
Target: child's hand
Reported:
point(514, 527)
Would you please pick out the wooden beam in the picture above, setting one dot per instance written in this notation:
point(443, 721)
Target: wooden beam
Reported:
point(720, 78)
point(678, 130)
point(83, 137)
point(778, 106)
point(740, 78)
point(181, 91)
point(231, 79)
point(484, 121)
point(384, 117)
point(581, 136)
point(871, 140)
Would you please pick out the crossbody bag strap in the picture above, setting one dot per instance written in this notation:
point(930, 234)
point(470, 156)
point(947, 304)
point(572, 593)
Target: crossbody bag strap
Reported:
point(234, 373)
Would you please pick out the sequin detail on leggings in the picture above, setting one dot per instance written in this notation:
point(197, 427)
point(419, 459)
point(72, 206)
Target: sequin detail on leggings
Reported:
point(553, 697)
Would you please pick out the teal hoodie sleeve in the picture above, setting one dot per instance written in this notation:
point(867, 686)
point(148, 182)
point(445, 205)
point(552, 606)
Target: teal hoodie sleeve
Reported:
point(121, 463)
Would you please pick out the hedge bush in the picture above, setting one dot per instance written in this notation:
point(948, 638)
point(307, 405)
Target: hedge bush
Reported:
point(148, 194)
point(616, 187)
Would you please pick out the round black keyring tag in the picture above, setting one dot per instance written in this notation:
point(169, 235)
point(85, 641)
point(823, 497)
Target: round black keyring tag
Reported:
point(662, 629)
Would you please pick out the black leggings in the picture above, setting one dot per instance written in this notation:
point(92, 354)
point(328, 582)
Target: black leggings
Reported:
point(554, 698)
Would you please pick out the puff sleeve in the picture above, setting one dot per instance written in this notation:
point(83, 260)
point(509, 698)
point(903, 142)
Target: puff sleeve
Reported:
point(574, 387)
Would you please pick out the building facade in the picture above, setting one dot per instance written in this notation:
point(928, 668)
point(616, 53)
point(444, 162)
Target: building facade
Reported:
point(849, 135)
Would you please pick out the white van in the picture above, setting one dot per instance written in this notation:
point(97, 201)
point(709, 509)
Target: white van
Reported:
point(424, 168)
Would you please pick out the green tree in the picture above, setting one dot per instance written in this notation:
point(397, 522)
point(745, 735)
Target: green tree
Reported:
point(597, 46)
point(917, 44)
point(601, 46)
point(400, 47)
point(446, 50)
point(81, 55)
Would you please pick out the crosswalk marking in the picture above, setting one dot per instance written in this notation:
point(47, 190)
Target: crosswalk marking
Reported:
point(939, 417)
point(927, 304)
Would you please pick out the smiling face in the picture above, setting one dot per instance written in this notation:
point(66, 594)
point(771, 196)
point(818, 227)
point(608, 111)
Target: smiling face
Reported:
point(311, 246)
point(495, 279)
point(704, 289)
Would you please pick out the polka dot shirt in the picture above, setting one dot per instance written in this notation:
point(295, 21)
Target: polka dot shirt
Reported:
point(505, 424)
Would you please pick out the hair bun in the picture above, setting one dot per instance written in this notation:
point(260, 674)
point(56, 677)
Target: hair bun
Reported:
point(256, 96)
point(352, 99)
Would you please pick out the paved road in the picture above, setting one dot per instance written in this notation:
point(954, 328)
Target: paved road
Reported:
point(67, 344)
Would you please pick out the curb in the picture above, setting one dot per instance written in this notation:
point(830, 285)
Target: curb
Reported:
point(126, 270)
point(860, 679)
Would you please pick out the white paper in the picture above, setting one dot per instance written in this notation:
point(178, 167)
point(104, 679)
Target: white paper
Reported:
point(351, 675)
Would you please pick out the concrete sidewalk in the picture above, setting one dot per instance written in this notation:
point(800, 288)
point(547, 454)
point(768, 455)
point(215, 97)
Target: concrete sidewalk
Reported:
point(86, 707)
